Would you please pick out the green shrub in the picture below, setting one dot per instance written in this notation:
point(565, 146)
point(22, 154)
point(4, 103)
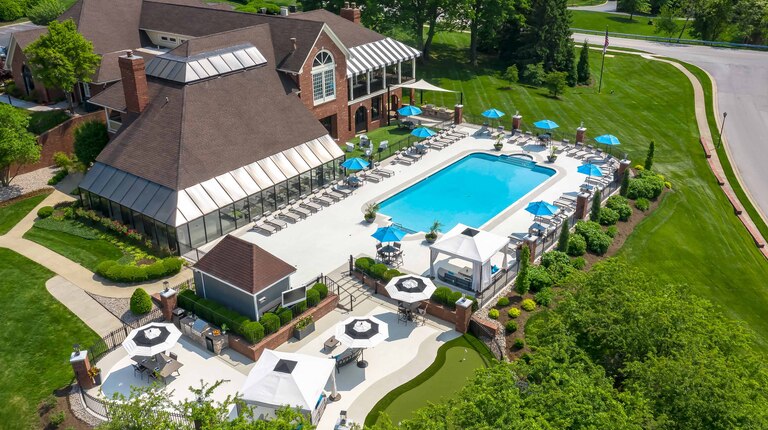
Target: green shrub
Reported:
point(11, 10)
point(513, 312)
point(554, 257)
point(612, 231)
point(453, 298)
point(271, 322)
point(364, 264)
point(389, 274)
point(519, 343)
point(502, 302)
point(57, 418)
point(608, 216)
point(285, 316)
point(45, 11)
point(141, 303)
point(187, 300)
point(57, 177)
point(493, 314)
point(377, 270)
point(539, 278)
point(441, 295)
point(615, 202)
point(545, 296)
point(322, 289)
point(155, 270)
point(172, 265)
point(313, 298)
point(253, 331)
point(528, 305)
point(577, 245)
point(579, 263)
point(90, 138)
point(510, 326)
point(646, 185)
point(103, 267)
point(300, 307)
point(642, 204)
point(625, 212)
point(597, 241)
point(45, 212)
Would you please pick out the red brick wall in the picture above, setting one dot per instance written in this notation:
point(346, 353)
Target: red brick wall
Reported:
point(253, 351)
point(45, 95)
point(59, 139)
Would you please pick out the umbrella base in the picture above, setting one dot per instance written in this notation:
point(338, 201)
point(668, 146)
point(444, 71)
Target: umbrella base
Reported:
point(362, 364)
point(335, 398)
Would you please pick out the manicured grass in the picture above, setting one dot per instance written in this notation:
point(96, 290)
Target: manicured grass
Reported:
point(585, 2)
point(456, 361)
point(40, 122)
point(88, 253)
point(11, 214)
point(599, 21)
point(392, 133)
point(35, 342)
point(693, 237)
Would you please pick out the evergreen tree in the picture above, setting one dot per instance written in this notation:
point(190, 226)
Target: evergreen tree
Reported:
point(582, 70)
point(594, 215)
point(562, 241)
point(624, 184)
point(649, 157)
point(522, 283)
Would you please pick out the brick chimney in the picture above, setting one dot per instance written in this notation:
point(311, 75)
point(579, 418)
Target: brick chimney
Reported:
point(351, 13)
point(134, 82)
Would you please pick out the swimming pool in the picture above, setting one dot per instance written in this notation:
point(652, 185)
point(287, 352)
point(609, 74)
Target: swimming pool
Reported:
point(470, 191)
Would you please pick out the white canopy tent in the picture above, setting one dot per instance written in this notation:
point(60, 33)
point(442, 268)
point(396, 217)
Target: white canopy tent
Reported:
point(297, 380)
point(423, 85)
point(473, 245)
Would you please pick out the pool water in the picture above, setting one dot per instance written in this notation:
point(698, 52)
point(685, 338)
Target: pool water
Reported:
point(470, 191)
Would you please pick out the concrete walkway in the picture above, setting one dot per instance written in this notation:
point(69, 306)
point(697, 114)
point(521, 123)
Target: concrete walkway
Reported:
point(31, 106)
point(66, 268)
point(84, 306)
point(609, 6)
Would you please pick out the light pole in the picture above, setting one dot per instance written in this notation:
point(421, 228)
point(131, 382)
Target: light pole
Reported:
point(722, 126)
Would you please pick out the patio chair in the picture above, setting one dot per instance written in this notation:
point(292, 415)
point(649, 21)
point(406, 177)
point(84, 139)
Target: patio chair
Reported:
point(138, 369)
point(370, 175)
point(384, 172)
point(298, 210)
point(288, 216)
point(173, 356)
point(335, 195)
point(311, 206)
point(265, 227)
point(277, 223)
point(400, 158)
point(323, 200)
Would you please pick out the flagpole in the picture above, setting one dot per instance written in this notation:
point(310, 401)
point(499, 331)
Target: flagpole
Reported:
point(602, 64)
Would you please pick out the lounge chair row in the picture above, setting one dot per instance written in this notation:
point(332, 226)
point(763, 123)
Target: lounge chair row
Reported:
point(271, 223)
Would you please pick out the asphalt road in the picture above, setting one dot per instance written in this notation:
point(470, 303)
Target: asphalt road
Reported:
point(741, 77)
point(5, 32)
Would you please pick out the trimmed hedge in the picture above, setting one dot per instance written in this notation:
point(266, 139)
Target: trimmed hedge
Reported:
point(252, 331)
point(375, 270)
point(364, 264)
point(446, 296)
point(141, 303)
point(389, 274)
point(322, 289)
point(528, 305)
point(286, 315)
point(114, 271)
point(299, 308)
point(45, 212)
point(502, 302)
point(577, 245)
point(510, 326)
point(493, 314)
point(271, 322)
point(313, 297)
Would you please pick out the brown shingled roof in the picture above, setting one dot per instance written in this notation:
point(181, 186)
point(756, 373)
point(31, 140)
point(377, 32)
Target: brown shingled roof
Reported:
point(243, 265)
point(348, 32)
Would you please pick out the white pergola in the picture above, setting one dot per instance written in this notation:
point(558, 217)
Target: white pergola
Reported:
point(288, 379)
point(473, 245)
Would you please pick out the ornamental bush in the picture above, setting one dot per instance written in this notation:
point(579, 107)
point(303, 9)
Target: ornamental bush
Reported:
point(141, 303)
point(545, 296)
point(114, 271)
point(539, 278)
point(519, 343)
point(554, 257)
point(528, 305)
point(441, 295)
point(579, 263)
point(612, 231)
point(493, 314)
point(271, 322)
point(253, 331)
point(577, 245)
point(378, 270)
point(625, 212)
point(608, 216)
point(389, 274)
point(502, 302)
point(510, 326)
point(364, 264)
point(300, 307)
point(646, 185)
point(616, 201)
point(597, 241)
point(313, 298)
point(285, 316)
point(453, 298)
point(513, 312)
point(45, 212)
point(322, 289)
point(642, 204)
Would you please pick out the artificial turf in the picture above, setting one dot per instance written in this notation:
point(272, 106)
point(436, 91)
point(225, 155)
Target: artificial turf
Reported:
point(12, 213)
point(456, 361)
point(693, 237)
point(35, 342)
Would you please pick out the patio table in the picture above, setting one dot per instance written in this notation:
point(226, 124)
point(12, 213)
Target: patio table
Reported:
point(160, 363)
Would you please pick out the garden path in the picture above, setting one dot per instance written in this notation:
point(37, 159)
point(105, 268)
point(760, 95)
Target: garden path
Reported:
point(84, 306)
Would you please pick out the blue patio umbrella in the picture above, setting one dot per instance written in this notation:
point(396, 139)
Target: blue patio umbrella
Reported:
point(608, 139)
point(423, 132)
point(409, 111)
point(493, 113)
point(542, 208)
point(546, 124)
point(590, 169)
point(355, 163)
point(388, 234)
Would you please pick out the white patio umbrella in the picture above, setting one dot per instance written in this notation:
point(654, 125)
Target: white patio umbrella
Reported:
point(151, 339)
point(362, 332)
point(410, 288)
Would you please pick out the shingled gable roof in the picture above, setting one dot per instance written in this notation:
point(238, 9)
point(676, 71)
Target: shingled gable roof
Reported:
point(348, 32)
point(243, 265)
point(191, 133)
point(109, 25)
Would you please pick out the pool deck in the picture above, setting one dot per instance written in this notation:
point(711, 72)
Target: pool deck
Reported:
point(324, 241)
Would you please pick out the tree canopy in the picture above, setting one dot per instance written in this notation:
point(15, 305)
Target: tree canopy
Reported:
point(90, 138)
point(17, 145)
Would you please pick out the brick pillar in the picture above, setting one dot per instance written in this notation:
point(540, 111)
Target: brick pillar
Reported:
point(530, 240)
point(168, 300)
point(623, 167)
point(458, 114)
point(516, 120)
point(412, 95)
point(81, 365)
point(580, 132)
point(463, 314)
point(134, 81)
point(582, 205)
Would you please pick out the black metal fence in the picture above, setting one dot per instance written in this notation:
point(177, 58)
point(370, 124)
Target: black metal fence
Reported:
point(99, 408)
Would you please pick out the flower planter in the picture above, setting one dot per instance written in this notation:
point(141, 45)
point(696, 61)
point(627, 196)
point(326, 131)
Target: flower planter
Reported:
point(551, 158)
point(97, 379)
point(430, 239)
point(304, 332)
point(369, 219)
point(498, 146)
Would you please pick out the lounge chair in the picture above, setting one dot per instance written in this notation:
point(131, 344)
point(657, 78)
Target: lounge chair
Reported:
point(402, 159)
point(323, 200)
point(335, 195)
point(384, 172)
point(277, 223)
point(302, 212)
point(288, 216)
point(311, 206)
point(411, 156)
point(266, 227)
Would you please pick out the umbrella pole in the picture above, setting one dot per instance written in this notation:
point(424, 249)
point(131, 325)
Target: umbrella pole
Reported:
point(335, 396)
point(362, 363)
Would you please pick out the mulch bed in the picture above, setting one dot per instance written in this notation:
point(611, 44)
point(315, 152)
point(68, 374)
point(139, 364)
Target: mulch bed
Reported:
point(45, 412)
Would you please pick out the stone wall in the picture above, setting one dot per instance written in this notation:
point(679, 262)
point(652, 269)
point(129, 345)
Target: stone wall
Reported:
point(274, 340)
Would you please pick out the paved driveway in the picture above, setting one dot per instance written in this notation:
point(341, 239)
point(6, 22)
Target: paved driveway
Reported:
point(742, 91)
point(5, 32)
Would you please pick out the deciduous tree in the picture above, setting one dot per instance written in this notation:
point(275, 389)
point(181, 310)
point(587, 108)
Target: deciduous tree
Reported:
point(511, 75)
point(17, 145)
point(556, 83)
point(666, 23)
point(634, 6)
point(90, 138)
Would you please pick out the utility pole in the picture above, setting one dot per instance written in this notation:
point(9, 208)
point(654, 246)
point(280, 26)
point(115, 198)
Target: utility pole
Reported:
point(722, 127)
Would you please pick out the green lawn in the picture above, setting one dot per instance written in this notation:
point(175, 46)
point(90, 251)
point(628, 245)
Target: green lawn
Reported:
point(457, 360)
point(88, 253)
point(35, 342)
point(585, 2)
point(11, 214)
point(599, 21)
point(396, 137)
point(693, 237)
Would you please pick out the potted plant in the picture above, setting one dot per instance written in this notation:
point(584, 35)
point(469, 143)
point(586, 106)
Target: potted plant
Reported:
point(499, 144)
point(370, 212)
point(431, 235)
point(304, 327)
point(95, 374)
point(552, 156)
point(224, 329)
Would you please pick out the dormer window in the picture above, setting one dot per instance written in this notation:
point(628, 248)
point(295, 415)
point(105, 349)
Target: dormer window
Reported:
point(323, 78)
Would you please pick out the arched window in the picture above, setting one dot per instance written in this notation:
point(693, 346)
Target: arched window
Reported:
point(323, 78)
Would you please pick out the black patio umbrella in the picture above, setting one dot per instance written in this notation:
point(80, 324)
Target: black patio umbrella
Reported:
point(410, 288)
point(362, 332)
point(151, 339)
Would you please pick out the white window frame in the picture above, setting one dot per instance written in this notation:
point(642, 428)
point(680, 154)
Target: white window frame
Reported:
point(321, 71)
